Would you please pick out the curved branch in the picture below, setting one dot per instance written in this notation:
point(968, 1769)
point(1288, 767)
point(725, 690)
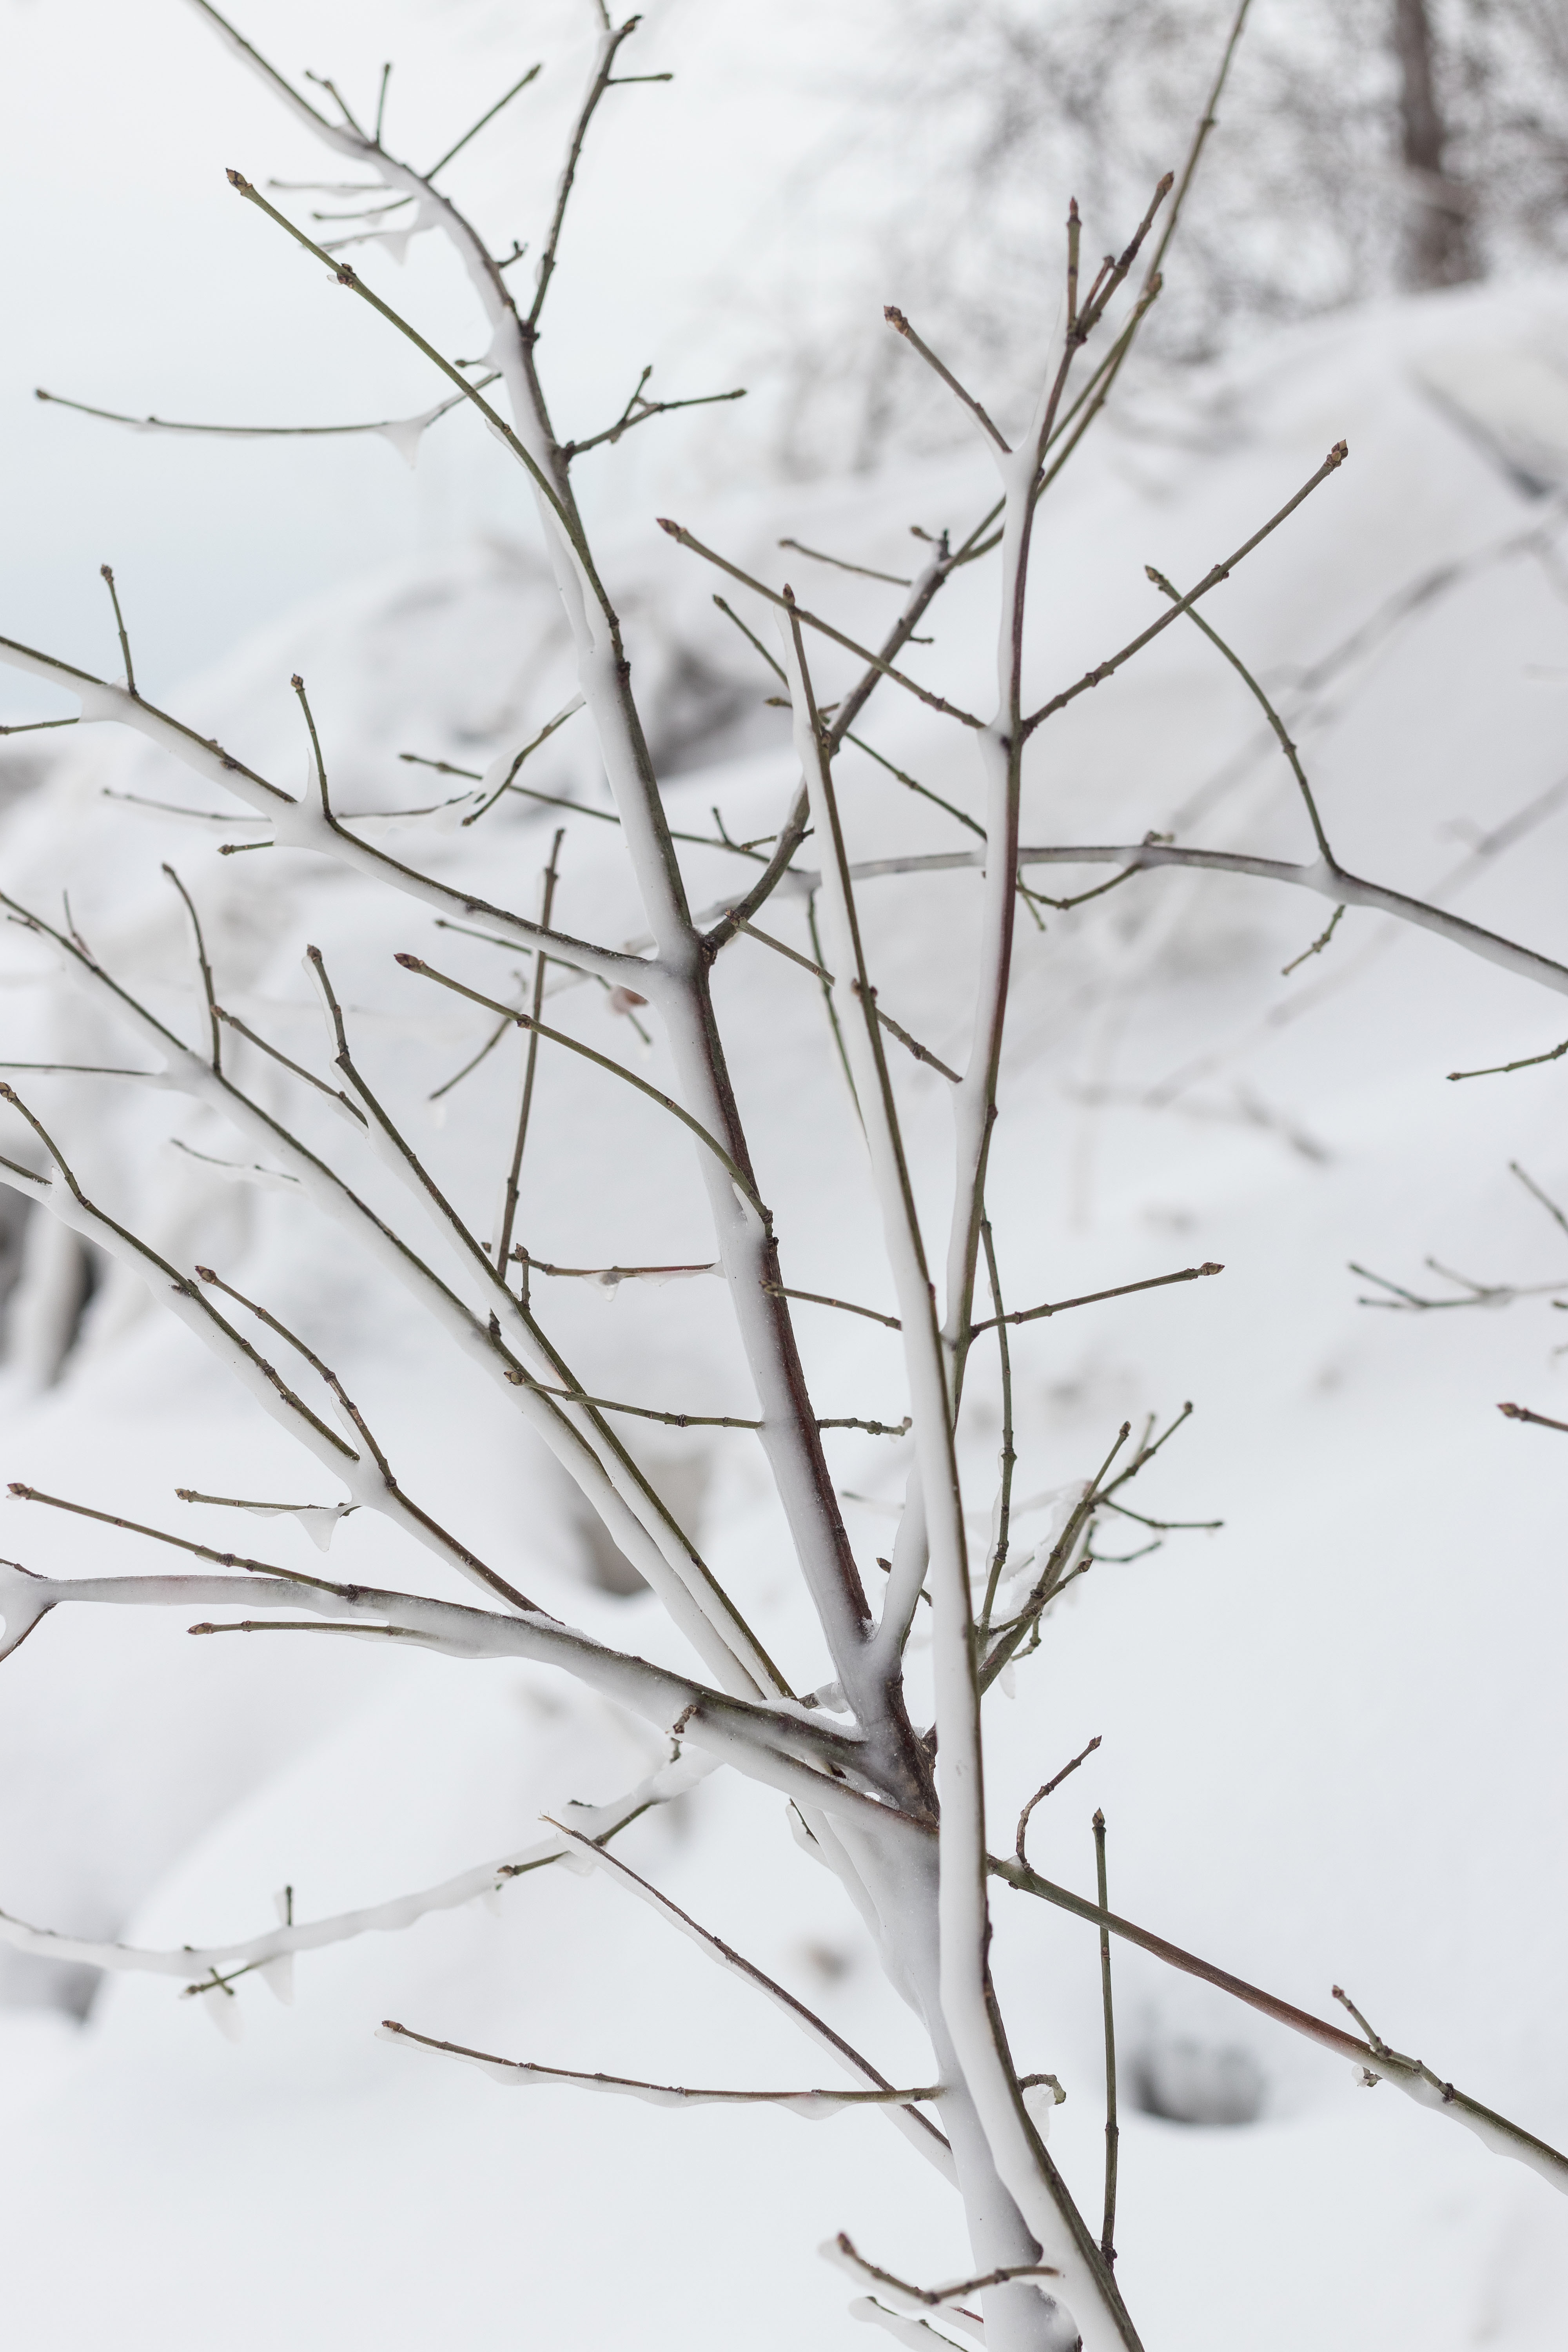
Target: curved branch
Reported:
point(1324, 876)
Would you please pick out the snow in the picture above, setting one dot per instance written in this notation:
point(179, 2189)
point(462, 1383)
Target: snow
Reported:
point(1331, 1750)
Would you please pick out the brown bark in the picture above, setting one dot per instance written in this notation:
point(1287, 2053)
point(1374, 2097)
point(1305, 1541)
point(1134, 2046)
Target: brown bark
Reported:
point(1438, 248)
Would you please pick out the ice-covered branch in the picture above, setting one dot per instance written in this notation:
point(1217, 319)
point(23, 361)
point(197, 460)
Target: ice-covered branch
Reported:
point(581, 1441)
point(191, 1961)
point(790, 1749)
point(966, 2014)
point(1325, 877)
point(403, 432)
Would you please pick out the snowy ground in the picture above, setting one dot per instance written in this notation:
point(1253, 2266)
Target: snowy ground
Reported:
point(1333, 1747)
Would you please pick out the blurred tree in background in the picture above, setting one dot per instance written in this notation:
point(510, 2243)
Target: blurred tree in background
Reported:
point(1365, 146)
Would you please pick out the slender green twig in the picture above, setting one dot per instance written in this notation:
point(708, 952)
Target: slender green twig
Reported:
point(508, 781)
point(1502, 1069)
point(924, 790)
point(347, 276)
point(749, 634)
point(645, 1412)
point(233, 1020)
point(637, 411)
point(1050, 1790)
point(1094, 1297)
point(600, 84)
point(900, 326)
point(863, 571)
point(1533, 1189)
point(683, 538)
point(252, 432)
point(107, 575)
point(1319, 944)
point(532, 75)
point(134, 1527)
point(818, 1298)
point(1281, 733)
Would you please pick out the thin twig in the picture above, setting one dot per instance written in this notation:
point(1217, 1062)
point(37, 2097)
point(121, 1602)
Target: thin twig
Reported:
point(839, 563)
point(525, 1106)
point(935, 2298)
point(1211, 579)
point(1108, 2233)
point(1319, 944)
point(1502, 1069)
point(637, 411)
point(334, 1094)
point(1093, 1297)
point(924, 790)
point(532, 75)
point(900, 326)
point(214, 1019)
point(1049, 1788)
point(817, 1298)
point(158, 1535)
point(683, 538)
point(558, 1037)
point(508, 782)
point(107, 575)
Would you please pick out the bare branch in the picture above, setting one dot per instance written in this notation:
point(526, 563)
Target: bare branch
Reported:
point(1502, 1069)
point(683, 538)
point(514, 2072)
point(1050, 1790)
point(900, 326)
point(1102, 670)
point(915, 2126)
point(206, 970)
point(839, 563)
point(108, 576)
point(1415, 2078)
point(637, 411)
point(574, 1044)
